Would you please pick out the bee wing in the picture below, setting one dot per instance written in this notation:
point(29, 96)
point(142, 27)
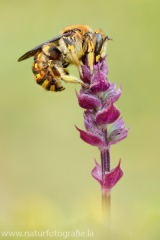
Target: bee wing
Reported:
point(33, 51)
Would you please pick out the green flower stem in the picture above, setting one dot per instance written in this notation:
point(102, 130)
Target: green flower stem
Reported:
point(106, 206)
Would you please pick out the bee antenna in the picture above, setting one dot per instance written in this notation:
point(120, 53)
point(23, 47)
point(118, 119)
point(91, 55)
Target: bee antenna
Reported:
point(107, 38)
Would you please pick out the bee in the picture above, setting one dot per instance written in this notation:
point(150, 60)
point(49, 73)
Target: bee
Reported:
point(52, 57)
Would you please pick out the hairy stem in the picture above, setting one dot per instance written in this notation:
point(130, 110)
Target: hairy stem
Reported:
point(107, 160)
point(102, 166)
point(106, 194)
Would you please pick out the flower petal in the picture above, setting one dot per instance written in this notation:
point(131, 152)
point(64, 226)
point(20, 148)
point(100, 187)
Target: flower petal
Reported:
point(120, 138)
point(119, 124)
point(97, 172)
point(91, 125)
point(117, 94)
point(111, 178)
point(104, 66)
point(99, 82)
point(88, 101)
point(108, 115)
point(91, 139)
point(89, 122)
point(86, 74)
point(112, 94)
point(99, 87)
point(116, 130)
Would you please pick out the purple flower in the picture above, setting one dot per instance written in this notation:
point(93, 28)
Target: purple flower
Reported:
point(86, 74)
point(88, 101)
point(91, 139)
point(107, 115)
point(110, 179)
point(91, 125)
point(99, 82)
point(112, 94)
point(103, 65)
point(117, 132)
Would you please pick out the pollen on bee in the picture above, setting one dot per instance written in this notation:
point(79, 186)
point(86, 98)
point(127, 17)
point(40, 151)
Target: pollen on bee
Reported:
point(97, 58)
point(38, 76)
point(44, 85)
point(39, 55)
point(70, 47)
point(52, 88)
point(47, 48)
point(36, 65)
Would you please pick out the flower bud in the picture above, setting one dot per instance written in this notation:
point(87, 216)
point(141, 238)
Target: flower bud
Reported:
point(88, 101)
point(107, 115)
point(117, 132)
point(92, 139)
point(99, 82)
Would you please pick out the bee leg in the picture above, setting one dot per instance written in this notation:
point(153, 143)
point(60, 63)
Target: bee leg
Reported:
point(89, 47)
point(72, 79)
point(70, 55)
point(60, 73)
point(56, 74)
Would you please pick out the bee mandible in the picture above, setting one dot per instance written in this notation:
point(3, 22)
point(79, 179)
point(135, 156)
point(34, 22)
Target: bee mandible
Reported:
point(52, 57)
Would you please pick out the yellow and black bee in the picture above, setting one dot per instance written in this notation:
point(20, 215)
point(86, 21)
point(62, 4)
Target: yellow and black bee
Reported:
point(52, 57)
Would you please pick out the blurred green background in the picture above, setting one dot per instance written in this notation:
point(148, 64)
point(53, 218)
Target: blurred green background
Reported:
point(45, 168)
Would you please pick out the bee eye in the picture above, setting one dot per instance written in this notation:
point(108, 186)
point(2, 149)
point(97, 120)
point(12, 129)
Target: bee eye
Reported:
point(99, 43)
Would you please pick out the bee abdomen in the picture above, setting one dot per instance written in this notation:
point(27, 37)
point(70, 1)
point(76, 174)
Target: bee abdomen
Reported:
point(42, 74)
point(45, 81)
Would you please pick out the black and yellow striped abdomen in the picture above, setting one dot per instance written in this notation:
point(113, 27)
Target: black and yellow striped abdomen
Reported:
point(42, 71)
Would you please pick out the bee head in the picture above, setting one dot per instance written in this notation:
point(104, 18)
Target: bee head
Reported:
point(99, 39)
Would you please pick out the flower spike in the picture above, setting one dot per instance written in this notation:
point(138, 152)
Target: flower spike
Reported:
point(98, 100)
